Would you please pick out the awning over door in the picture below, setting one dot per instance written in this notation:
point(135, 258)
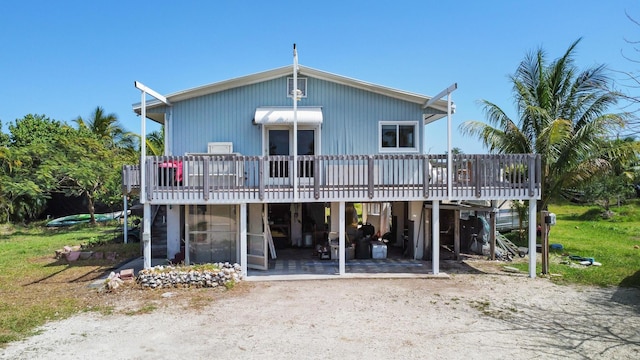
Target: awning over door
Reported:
point(284, 115)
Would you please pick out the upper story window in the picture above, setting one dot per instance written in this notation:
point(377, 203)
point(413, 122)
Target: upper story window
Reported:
point(398, 136)
point(302, 86)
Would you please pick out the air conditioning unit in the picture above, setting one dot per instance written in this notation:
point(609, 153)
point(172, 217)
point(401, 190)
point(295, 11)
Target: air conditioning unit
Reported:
point(220, 147)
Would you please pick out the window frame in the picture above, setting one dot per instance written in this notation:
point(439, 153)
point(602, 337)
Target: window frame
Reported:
point(289, 90)
point(317, 141)
point(398, 148)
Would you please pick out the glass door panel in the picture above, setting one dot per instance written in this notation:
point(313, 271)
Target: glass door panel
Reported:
point(306, 146)
point(212, 233)
point(279, 145)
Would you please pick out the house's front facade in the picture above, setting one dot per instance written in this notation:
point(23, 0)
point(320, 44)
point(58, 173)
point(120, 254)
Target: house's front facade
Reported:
point(249, 172)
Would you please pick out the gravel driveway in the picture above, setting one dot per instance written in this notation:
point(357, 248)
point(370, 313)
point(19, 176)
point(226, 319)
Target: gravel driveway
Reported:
point(468, 316)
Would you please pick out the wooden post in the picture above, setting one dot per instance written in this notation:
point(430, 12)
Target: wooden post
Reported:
point(492, 236)
point(263, 163)
point(456, 234)
point(426, 175)
point(205, 179)
point(545, 241)
point(316, 178)
point(342, 239)
point(370, 174)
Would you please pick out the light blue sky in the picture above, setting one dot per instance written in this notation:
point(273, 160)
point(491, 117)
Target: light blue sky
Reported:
point(64, 58)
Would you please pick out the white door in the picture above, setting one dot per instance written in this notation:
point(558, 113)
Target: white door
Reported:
point(257, 255)
point(259, 243)
point(280, 142)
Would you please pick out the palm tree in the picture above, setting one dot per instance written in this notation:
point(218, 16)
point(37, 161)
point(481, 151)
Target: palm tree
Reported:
point(155, 142)
point(108, 129)
point(562, 116)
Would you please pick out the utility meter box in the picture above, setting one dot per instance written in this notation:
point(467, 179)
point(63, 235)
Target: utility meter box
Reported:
point(550, 219)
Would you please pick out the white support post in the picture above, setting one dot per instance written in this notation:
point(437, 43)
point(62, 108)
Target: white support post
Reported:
point(243, 238)
point(365, 213)
point(187, 259)
point(125, 232)
point(143, 147)
point(532, 238)
point(294, 96)
point(334, 211)
point(446, 92)
point(449, 160)
point(146, 210)
point(146, 222)
point(435, 239)
point(146, 234)
point(341, 248)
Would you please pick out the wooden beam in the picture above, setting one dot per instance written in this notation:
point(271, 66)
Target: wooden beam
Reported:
point(440, 95)
point(456, 234)
point(141, 86)
point(544, 233)
point(492, 235)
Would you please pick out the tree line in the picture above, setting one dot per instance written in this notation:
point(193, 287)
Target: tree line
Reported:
point(42, 156)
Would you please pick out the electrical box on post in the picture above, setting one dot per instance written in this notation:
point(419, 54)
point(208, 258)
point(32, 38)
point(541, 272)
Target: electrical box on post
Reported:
point(550, 219)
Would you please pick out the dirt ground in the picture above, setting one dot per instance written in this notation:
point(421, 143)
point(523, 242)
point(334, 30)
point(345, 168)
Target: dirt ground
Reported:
point(483, 314)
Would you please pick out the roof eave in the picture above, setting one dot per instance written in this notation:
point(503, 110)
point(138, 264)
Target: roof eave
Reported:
point(440, 105)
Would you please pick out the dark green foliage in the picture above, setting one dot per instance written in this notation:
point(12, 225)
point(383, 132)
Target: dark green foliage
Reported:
point(42, 156)
point(616, 185)
point(34, 129)
point(27, 161)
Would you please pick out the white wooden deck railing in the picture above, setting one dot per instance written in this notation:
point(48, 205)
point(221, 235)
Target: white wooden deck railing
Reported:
point(200, 179)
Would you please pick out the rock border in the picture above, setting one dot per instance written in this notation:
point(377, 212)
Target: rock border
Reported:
point(210, 275)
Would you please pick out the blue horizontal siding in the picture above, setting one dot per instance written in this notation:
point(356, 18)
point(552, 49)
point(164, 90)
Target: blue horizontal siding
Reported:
point(350, 117)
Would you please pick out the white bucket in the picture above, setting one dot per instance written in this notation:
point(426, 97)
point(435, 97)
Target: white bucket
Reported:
point(308, 240)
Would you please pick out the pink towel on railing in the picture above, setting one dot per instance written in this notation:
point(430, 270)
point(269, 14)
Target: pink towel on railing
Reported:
point(176, 164)
point(179, 171)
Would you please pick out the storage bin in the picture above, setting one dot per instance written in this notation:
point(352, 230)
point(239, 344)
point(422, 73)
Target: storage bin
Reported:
point(363, 248)
point(349, 252)
point(378, 250)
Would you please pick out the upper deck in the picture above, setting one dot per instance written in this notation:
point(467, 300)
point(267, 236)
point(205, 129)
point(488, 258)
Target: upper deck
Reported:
point(233, 179)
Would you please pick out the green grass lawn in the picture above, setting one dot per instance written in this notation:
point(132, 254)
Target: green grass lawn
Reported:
point(614, 242)
point(36, 287)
